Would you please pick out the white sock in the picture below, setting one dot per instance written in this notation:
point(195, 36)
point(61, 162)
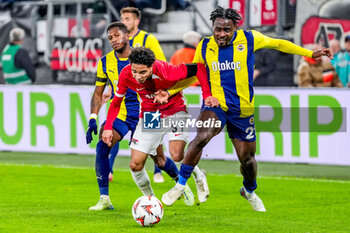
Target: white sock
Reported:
point(197, 173)
point(180, 186)
point(104, 197)
point(143, 182)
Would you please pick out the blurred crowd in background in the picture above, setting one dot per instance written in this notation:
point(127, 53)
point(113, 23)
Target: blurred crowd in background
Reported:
point(32, 53)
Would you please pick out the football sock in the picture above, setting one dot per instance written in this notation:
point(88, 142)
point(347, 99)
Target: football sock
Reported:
point(185, 173)
point(197, 173)
point(171, 169)
point(157, 169)
point(112, 155)
point(102, 166)
point(250, 186)
point(142, 180)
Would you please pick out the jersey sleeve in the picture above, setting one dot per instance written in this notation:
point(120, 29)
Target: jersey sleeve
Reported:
point(117, 100)
point(153, 44)
point(101, 77)
point(179, 86)
point(262, 41)
point(175, 73)
point(198, 58)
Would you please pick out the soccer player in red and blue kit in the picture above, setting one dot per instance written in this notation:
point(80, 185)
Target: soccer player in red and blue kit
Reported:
point(145, 75)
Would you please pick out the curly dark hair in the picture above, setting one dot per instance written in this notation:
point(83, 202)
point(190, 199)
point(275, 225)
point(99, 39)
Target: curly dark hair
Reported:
point(119, 25)
point(142, 56)
point(227, 13)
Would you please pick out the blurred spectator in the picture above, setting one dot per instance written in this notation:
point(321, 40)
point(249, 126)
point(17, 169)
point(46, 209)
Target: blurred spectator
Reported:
point(16, 63)
point(341, 63)
point(265, 64)
point(334, 46)
point(190, 39)
point(314, 72)
point(185, 55)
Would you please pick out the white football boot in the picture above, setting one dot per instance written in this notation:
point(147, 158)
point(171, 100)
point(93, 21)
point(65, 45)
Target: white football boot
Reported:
point(158, 178)
point(253, 199)
point(202, 187)
point(172, 195)
point(188, 196)
point(103, 204)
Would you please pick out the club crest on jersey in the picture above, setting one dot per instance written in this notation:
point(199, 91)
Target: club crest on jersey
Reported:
point(251, 120)
point(240, 47)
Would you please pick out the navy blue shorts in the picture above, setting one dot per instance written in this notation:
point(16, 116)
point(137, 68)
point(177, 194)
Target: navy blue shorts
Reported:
point(242, 128)
point(122, 127)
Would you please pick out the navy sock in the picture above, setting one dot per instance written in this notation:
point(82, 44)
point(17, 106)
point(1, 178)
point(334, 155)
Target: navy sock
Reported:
point(157, 169)
point(250, 186)
point(171, 169)
point(102, 166)
point(185, 173)
point(112, 155)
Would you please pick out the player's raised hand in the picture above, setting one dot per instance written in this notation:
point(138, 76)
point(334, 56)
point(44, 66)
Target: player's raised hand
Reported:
point(322, 52)
point(211, 101)
point(107, 136)
point(91, 128)
point(161, 97)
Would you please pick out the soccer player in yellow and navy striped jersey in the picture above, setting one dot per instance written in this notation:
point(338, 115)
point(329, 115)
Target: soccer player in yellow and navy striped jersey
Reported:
point(229, 59)
point(131, 16)
point(108, 70)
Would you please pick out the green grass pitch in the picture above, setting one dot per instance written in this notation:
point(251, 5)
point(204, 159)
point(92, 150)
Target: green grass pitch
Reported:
point(52, 193)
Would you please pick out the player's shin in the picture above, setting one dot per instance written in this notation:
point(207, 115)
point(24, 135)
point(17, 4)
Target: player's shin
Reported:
point(171, 169)
point(113, 153)
point(102, 166)
point(142, 181)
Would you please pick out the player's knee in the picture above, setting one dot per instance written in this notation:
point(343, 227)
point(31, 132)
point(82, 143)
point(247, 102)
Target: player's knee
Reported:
point(177, 156)
point(202, 139)
point(248, 160)
point(135, 166)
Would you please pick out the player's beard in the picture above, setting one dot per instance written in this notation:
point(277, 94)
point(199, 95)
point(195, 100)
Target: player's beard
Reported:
point(122, 49)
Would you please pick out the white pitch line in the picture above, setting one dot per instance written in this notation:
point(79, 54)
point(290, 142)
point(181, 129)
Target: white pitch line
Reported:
point(211, 174)
point(291, 178)
point(45, 165)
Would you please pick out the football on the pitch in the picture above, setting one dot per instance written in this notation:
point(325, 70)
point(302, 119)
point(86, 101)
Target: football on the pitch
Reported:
point(147, 210)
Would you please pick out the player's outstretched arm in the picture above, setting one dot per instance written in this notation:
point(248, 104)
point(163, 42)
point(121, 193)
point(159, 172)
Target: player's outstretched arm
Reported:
point(203, 80)
point(96, 102)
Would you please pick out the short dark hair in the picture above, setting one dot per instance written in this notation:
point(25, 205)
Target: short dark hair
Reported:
point(132, 10)
point(347, 38)
point(119, 25)
point(227, 13)
point(142, 56)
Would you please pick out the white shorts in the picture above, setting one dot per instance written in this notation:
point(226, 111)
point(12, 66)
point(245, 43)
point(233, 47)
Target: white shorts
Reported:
point(147, 140)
